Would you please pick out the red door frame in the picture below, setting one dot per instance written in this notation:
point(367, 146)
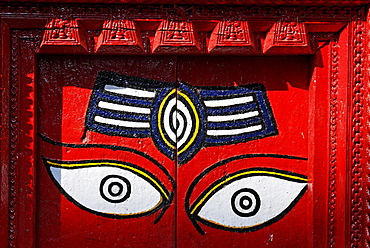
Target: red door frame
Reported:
point(340, 77)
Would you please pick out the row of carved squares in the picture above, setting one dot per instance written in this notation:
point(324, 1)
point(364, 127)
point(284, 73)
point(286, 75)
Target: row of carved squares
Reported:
point(178, 36)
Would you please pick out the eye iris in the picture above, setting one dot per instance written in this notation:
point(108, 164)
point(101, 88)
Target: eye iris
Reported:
point(115, 189)
point(245, 202)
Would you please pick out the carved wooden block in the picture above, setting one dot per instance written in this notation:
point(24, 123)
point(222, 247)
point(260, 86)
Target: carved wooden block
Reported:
point(62, 35)
point(119, 36)
point(287, 37)
point(175, 36)
point(231, 37)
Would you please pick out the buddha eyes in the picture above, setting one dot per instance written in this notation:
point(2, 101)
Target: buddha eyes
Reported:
point(109, 188)
point(249, 200)
point(243, 201)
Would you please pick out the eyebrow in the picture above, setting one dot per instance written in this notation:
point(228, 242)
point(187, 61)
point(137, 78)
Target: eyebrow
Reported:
point(114, 148)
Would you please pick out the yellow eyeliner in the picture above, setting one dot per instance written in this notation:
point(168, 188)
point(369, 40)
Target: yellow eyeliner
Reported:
point(242, 174)
point(196, 121)
point(114, 164)
point(159, 118)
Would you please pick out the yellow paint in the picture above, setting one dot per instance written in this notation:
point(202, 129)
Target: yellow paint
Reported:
point(160, 119)
point(65, 165)
point(196, 122)
point(159, 203)
point(234, 227)
point(242, 174)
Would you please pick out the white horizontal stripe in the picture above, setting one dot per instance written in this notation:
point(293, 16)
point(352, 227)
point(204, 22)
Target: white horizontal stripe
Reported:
point(129, 91)
point(222, 118)
point(120, 123)
point(121, 107)
point(234, 131)
point(228, 102)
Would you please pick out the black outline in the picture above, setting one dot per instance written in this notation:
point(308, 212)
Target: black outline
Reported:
point(124, 198)
point(191, 188)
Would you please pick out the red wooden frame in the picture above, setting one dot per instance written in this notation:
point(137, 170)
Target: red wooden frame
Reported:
point(339, 30)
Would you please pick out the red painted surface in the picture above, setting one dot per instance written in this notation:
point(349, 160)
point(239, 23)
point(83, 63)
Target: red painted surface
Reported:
point(317, 98)
point(64, 92)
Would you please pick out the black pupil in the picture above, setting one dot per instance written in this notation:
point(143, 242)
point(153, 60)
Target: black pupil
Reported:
point(115, 185)
point(243, 201)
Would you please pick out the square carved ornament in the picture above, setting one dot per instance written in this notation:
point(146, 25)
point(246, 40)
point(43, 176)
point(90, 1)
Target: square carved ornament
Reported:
point(147, 125)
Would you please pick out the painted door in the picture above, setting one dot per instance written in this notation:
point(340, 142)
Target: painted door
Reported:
point(174, 151)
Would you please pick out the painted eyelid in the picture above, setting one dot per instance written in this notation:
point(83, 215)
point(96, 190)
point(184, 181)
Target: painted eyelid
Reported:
point(239, 202)
point(234, 177)
point(113, 148)
point(125, 190)
point(76, 165)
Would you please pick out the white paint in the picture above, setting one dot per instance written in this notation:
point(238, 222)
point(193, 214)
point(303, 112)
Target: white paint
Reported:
point(83, 184)
point(122, 107)
point(228, 102)
point(234, 131)
point(133, 124)
point(129, 91)
point(276, 195)
point(185, 125)
point(222, 118)
point(167, 119)
point(178, 123)
point(181, 107)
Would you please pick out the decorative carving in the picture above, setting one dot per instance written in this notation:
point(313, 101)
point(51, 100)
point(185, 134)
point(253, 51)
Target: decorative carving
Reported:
point(289, 32)
point(287, 37)
point(14, 124)
point(358, 225)
point(63, 35)
point(333, 139)
point(193, 11)
point(367, 146)
point(119, 36)
point(231, 36)
point(175, 36)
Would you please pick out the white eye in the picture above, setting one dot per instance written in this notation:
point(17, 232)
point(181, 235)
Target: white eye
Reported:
point(249, 200)
point(109, 188)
